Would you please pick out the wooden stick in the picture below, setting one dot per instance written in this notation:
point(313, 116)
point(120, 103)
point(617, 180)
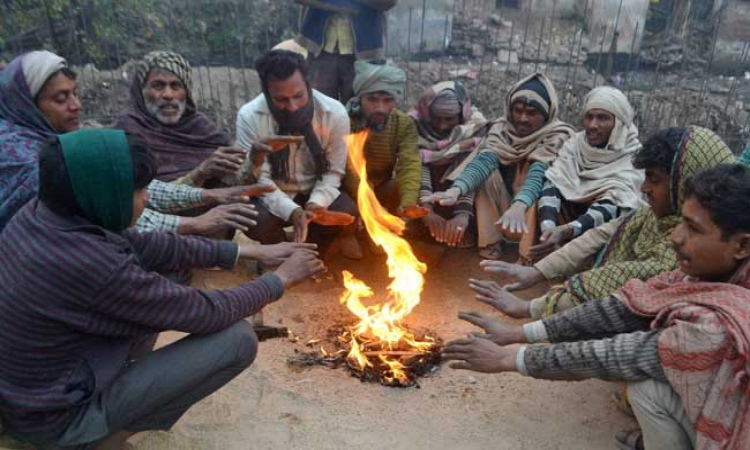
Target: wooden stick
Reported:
point(393, 353)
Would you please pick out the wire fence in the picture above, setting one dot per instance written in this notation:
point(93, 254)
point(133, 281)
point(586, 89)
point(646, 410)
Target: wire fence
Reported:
point(488, 45)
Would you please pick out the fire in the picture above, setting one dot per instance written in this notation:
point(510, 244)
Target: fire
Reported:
point(380, 325)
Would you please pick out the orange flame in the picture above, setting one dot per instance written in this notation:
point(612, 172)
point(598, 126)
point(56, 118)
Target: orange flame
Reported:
point(382, 321)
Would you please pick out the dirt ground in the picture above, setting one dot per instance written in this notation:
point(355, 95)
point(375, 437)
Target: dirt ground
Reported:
point(272, 406)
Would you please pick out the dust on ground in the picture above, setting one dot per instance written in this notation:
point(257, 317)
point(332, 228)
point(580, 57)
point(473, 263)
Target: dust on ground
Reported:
point(274, 406)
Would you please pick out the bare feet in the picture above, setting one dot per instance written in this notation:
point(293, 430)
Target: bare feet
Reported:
point(489, 292)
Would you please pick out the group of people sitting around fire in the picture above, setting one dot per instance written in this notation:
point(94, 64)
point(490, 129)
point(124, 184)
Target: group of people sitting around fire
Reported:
point(646, 241)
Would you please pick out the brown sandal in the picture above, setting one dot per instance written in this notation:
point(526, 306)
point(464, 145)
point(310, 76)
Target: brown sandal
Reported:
point(492, 252)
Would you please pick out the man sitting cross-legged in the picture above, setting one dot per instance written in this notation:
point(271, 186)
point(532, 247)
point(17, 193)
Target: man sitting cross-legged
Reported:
point(681, 340)
point(635, 246)
point(83, 299)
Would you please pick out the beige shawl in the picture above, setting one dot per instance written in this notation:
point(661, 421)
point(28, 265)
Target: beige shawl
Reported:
point(542, 145)
point(584, 173)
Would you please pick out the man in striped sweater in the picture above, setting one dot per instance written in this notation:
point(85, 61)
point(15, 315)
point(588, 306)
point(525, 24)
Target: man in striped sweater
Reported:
point(83, 300)
point(393, 165)
point(680, 340)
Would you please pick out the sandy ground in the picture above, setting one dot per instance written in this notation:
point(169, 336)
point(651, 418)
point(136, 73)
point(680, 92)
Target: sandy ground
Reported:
point(273, 406)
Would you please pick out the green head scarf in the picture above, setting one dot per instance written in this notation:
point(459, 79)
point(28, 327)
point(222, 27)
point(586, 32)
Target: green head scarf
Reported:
point(371, 78)
point(101, 175)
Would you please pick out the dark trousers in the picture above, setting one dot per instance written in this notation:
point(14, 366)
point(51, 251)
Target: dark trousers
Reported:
point(270, 228)
point(160, 386)
point(333, 75)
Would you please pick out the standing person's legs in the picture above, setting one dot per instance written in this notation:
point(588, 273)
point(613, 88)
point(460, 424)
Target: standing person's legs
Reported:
point(269, 228)
point(660, 414)
point(345, 69)
point(324, 74)
point(155, 391)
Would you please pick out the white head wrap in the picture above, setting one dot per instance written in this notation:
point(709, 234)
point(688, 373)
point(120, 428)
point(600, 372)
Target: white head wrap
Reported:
point(38, 66)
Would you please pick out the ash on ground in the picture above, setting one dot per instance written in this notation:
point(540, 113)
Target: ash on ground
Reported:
point(332, 352)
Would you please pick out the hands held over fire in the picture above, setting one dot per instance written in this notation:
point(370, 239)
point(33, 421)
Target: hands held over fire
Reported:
point(296, 261)
point(485, 352)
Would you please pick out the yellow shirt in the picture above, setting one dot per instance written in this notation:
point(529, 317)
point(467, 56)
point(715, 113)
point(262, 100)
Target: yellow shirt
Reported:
point(339, 37)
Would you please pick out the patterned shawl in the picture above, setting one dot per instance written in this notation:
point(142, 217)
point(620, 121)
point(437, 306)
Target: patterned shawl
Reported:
point(464, 138)
point(178, 148)
point(542, 145)
point(704, 349)
point(23, 130)
point(640, 247)
point(584, 173)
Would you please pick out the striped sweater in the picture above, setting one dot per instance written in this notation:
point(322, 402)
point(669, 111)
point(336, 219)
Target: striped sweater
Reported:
point(601, 339)
point(485, 163)
point(74, 297)
point(391, 150)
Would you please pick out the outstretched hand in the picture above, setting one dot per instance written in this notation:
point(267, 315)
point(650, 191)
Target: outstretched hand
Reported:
point(490, 293)
point(550, 241)
point(480, 355)
point(445, 198)
point(501, 333)
point(525, 276)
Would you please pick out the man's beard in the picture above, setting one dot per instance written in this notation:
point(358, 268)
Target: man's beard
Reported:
point(154, 108)
point(378, 127)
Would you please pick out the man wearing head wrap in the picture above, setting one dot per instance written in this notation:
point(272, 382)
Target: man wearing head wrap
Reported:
point(506, 173)
point(85, 290)
point(188, 146)
point(391, 147)
point(593, 179)
point(337, 33)
point(309, 161)
point(37, 101)
point(450, 130)
point(636, 245)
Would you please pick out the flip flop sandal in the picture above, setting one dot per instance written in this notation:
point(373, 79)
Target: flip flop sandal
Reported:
point(629, 440)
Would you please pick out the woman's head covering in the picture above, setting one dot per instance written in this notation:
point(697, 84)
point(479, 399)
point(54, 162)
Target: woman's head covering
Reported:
point(23, 131)
point(181, 147)
point(697, 149)
point(100, 169)
point(38, 67)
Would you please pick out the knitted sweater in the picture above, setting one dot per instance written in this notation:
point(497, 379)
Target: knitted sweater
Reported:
point(601, 339)
point(391, 150)
point(484, 164)
point(76, 296)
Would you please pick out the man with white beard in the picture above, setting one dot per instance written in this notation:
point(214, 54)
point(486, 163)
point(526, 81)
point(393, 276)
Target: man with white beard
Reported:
point(189, 147)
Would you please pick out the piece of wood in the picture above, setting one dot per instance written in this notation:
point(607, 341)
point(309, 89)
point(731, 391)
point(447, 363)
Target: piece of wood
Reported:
point(393, 353)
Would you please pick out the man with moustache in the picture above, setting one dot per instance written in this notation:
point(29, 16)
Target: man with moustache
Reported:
point(306, 172)
point(393, 165)
point(189, 148)
point(39, 100)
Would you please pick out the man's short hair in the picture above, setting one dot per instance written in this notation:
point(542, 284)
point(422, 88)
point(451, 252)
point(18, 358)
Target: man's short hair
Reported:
point(55, 189)
point(658, 151)
point(724, 190)
point(280, 65)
